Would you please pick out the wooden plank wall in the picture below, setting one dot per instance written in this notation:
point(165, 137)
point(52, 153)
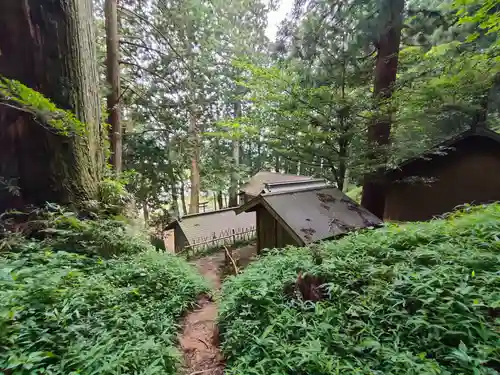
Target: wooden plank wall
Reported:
point(267, 229)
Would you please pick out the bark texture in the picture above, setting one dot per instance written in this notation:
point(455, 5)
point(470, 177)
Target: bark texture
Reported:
point(48, 45)
point(233, 189)
point(145, 213)
point(386, 67)
point(175, 198)
point(194, 131)
point(113, 79)
point(277, 165)
point(183, 198)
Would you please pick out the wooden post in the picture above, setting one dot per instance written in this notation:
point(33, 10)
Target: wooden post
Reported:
point(229, 258)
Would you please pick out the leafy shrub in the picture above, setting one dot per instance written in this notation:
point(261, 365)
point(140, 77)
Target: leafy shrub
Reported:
point(355, 194)
point(63, 313)
point(420, 298)
point(94, 237)
point(61, 230)
point(158, 243)
point(66, 310)
point(29, 100)
point(113, 196)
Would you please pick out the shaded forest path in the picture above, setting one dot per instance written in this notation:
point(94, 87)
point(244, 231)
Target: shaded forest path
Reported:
point(199, 338)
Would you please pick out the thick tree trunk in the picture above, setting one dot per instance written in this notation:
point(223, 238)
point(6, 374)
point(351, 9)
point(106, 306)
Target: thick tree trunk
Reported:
point(194, 203)
point(183, 198)
point(233, 189)
point(386, 67)
point(113, 80)
point(48, 45)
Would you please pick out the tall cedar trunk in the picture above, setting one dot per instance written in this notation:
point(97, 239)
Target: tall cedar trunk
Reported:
point(220, 200)
point(386, 67)
point(194, 203)
point(481, 114)
point(342, 166)
point(345, 139)
point(233, 189)
point(173, 179)
point(277, 165)
point(183, 198)
point(145, 212)
point(113, 80)
point(258, 167)
point(175, 198)
point(345, 185)
point(302, 169)
point(49, 46)
point(217, 165)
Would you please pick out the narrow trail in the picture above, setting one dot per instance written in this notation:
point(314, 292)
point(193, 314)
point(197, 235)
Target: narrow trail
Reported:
point(199, 339)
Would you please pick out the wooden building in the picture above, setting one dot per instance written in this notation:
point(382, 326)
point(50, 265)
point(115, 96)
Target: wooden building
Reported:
point(302, 212)
point(464, 169)
point(208, 229)
point(256, 184)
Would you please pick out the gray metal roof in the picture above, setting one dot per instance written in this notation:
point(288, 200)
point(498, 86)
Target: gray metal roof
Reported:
point(286, 186)
point(206, 226)
point(314, 213)
point(257, 183)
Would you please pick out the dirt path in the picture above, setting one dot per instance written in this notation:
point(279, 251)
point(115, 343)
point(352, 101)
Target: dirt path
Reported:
point(199, 340)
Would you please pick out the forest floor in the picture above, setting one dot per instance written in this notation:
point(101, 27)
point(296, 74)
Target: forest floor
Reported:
point(199, 340)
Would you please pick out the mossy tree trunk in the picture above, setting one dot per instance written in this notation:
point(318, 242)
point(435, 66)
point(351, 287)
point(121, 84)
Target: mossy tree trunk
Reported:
point(48, 45)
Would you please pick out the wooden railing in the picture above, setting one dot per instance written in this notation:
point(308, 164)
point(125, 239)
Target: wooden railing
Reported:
point(226, 237)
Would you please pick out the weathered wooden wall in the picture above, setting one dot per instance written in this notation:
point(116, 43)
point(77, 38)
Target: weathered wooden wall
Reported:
point(270, 234)
point(470, 174)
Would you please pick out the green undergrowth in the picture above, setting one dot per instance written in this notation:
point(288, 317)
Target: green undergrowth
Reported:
point(89, 297)
point(420, 298)
point(355, 194)
point(215, 249)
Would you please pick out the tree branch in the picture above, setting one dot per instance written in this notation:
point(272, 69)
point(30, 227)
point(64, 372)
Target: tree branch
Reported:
point(128, 12)
point(126, 42)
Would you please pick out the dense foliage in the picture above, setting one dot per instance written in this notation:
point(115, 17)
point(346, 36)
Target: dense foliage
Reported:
point(66, 310)
point(19, 96)
point(211, 94)
point(404, 299)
